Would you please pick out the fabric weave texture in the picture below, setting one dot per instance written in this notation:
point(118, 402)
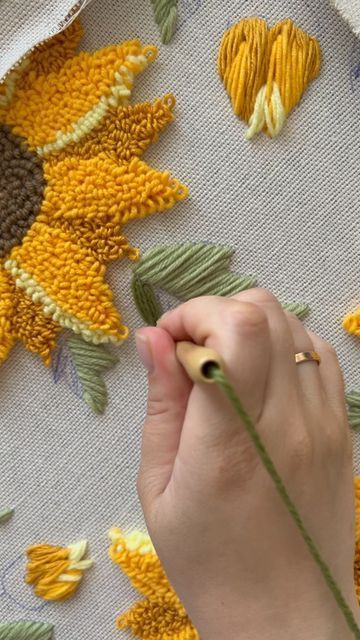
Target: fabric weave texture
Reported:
point(289, 208)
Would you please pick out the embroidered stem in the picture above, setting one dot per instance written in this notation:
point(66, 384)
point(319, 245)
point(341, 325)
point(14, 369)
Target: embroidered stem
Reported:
point(165, 12)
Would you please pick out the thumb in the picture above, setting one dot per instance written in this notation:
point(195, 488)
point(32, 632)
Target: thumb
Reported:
point(168, 394)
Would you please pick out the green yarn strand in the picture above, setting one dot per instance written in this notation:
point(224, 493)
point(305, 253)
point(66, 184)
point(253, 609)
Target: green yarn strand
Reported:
point(5, 515)
point(146, 301)
point(91, 361)
point(184, 271)
point(165, 12)
point(353, 402)
point(301, 310)
point(259, 445)
point(23, 630)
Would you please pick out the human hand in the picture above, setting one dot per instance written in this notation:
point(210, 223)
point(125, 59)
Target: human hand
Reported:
point(226, 542)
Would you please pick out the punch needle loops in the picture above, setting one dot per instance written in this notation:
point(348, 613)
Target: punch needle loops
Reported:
point(160, 615)
point(351, 322)
point(71, 176)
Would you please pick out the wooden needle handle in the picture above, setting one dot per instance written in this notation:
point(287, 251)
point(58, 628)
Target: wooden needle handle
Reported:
point(196, 360)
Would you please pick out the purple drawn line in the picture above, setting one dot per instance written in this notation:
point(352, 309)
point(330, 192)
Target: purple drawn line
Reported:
point(3, 576)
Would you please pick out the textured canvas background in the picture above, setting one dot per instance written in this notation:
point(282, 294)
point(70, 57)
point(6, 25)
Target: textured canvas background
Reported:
point(25, 23)
point(350, 10)
point(290, 209)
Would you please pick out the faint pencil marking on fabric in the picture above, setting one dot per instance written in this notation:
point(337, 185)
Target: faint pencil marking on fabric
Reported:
point(4, 574)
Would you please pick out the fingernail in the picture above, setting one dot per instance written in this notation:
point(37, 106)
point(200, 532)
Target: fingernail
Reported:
point(144, 351)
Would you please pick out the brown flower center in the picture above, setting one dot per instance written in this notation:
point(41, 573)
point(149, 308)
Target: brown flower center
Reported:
point(21, 189)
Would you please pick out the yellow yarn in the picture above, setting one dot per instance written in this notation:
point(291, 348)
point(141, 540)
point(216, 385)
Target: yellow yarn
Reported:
point(266, 72)
point(72, 112)
point(160, 616)
point(56, 572)
point(357, 535)
point(351, 322)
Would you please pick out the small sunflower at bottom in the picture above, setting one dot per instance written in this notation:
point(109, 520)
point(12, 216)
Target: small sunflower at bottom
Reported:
point(160, 615)
point(70, 178)
point(56, 572)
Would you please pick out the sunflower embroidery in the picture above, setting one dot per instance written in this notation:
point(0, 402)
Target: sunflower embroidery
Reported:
point(70, 178)
point(160, 615)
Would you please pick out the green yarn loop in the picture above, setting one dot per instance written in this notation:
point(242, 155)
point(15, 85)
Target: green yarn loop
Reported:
point(300, 309)
point(353, 402)
point(146, 301)
point(184, 271)
point(24, 630)
point(165, 12)
point(188, 271)
point(260, 447)
point(91, 361)
point(5, 515)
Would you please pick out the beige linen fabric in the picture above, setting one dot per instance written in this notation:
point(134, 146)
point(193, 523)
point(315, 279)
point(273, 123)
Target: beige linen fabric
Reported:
point(289, 207)
point(350, 10)
point(25, 23)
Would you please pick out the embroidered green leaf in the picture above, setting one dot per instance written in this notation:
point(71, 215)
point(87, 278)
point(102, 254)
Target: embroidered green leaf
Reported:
point(301, 310)
point(165, 12)
point(82, 365)
point(184, 271)
point(5, 515)
point(353, 402)
point(23, 630)
point(146, 300)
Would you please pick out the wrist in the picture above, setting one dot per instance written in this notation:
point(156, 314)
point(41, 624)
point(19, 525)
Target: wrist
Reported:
point(266, 621)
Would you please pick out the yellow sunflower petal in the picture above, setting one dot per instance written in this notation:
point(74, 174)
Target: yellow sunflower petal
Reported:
point(47, 57)
point(161, 615)
point(125, 132)
point(55, 572)
point(153, 620)
point(55, 109)
point(357, 537)
point(101, 190)
point(52, 54)
point(29, 324)
point(68, 281)
point(351, 322)
point(136, 557)
point(7, 306)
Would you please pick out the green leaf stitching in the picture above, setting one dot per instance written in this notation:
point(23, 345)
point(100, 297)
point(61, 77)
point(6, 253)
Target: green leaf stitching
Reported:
point(300, 309)
point(353, 401)
point(91, 361)
point(5, 515)
point(24, 630)
point(188, 271)
point(165, 12)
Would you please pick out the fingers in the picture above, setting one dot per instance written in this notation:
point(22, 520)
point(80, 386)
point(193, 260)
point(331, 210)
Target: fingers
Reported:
point(308, 373)
point(331, 377)
point(239, 332)
point(168, 394)
point(282, 381)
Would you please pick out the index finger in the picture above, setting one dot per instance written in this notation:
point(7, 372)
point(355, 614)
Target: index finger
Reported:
point(238, 331)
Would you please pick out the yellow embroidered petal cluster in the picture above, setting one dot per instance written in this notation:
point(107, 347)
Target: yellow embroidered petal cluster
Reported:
point(357, 537)
point(160, 616)
point(265, 72)
point(351, 322)
point(56, 572)
point(70, 178)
